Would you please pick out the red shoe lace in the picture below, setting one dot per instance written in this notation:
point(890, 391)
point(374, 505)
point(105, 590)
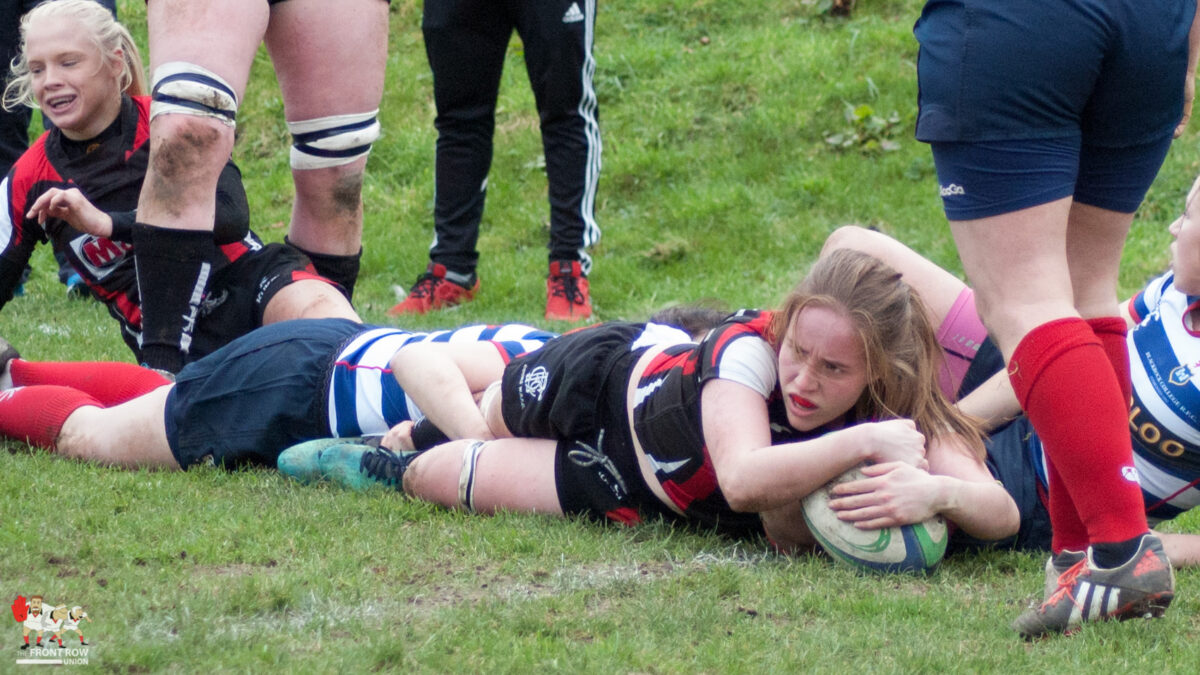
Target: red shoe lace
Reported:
point(1066, 581)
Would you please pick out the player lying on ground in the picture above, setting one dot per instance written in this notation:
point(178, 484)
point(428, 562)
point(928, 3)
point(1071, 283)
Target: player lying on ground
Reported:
point(77, 186)
point(241, 405)
point(1162, 345)
point(731, 432)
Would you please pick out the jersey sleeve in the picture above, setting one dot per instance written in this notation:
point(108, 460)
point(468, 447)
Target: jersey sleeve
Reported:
point(16, 240)
point(740, 354)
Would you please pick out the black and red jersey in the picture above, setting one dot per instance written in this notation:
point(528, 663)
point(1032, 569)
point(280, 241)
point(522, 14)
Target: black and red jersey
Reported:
point(667, 414)
point(108, 171)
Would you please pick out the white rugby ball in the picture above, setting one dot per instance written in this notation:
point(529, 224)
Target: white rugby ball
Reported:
point(916, 548)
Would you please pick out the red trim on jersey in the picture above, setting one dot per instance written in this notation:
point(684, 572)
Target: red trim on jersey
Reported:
point(355, 366)
point(700, 485)
point(1131, 306)
point(1183, 319)
point(142, 135)
point(308, 273)
point(664, 362)
point(235, 250)
point(759, 325)
point(624, 515)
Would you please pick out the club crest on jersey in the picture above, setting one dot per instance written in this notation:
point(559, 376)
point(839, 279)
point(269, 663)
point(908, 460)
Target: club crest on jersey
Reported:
point(99, 254)
point(211, 302)
point(1183, 373)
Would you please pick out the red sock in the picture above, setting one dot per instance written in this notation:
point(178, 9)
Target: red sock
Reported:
point(81, 638)
point(26, 639)
point(36, 414)
point(1067, 387)
point(1112, 331)
point(1068, 534)
point(108, 382)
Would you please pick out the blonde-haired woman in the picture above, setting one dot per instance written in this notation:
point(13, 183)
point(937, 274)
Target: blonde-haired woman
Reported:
point(77, 187)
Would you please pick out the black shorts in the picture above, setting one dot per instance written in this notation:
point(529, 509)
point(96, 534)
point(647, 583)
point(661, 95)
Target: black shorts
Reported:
point(573, 390)
point(558, 390)
point(246, 403)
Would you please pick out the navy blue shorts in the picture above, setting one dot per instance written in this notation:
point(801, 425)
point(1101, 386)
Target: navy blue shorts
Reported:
point(1010, 455)
point(1093, 73)
point(265, 391)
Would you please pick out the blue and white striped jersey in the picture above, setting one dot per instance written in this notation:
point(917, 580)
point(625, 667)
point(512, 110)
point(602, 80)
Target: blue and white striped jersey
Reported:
point(1164, 419)
point(365, 399)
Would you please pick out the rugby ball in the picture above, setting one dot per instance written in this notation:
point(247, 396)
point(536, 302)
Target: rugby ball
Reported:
point(916, 548)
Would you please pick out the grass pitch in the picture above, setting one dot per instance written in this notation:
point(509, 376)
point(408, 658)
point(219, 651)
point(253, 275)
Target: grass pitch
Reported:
point(721, 179)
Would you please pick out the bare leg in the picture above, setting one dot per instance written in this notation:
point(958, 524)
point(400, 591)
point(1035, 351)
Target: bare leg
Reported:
point(343, 76)
point(1016, 264)
point(308, 299)
point(515, 474)
point(188, 152)
point(1095, 239)
point(130, 435)
point(1021, 264)
point(173, 244)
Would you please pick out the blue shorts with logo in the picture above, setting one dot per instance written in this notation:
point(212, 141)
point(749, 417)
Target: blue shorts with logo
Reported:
point(1027, 101)
point(265, 391)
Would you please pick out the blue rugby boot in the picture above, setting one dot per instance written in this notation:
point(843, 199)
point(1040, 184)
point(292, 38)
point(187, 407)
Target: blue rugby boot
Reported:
point(359, 466)
point(302, 461)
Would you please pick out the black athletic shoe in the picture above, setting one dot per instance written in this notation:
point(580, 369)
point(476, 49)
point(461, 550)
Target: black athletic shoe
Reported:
point(25, 646)
point(1143, 587)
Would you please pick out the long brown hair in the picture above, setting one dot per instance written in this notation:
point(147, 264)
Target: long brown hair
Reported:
point(901, 348)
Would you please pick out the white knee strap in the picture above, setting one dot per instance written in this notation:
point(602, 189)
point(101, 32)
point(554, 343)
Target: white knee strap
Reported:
point(466, 476)
point(332, 141)
point(187, 89)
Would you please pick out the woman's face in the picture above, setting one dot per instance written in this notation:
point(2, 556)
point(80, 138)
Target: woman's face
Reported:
point(77, 89)
point(822, 367)
point(1185, 250)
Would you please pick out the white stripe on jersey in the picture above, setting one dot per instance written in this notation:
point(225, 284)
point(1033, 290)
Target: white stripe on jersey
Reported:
point(1161, 484)
point(6, 233)
point(1165, 372)
point(364, 398)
